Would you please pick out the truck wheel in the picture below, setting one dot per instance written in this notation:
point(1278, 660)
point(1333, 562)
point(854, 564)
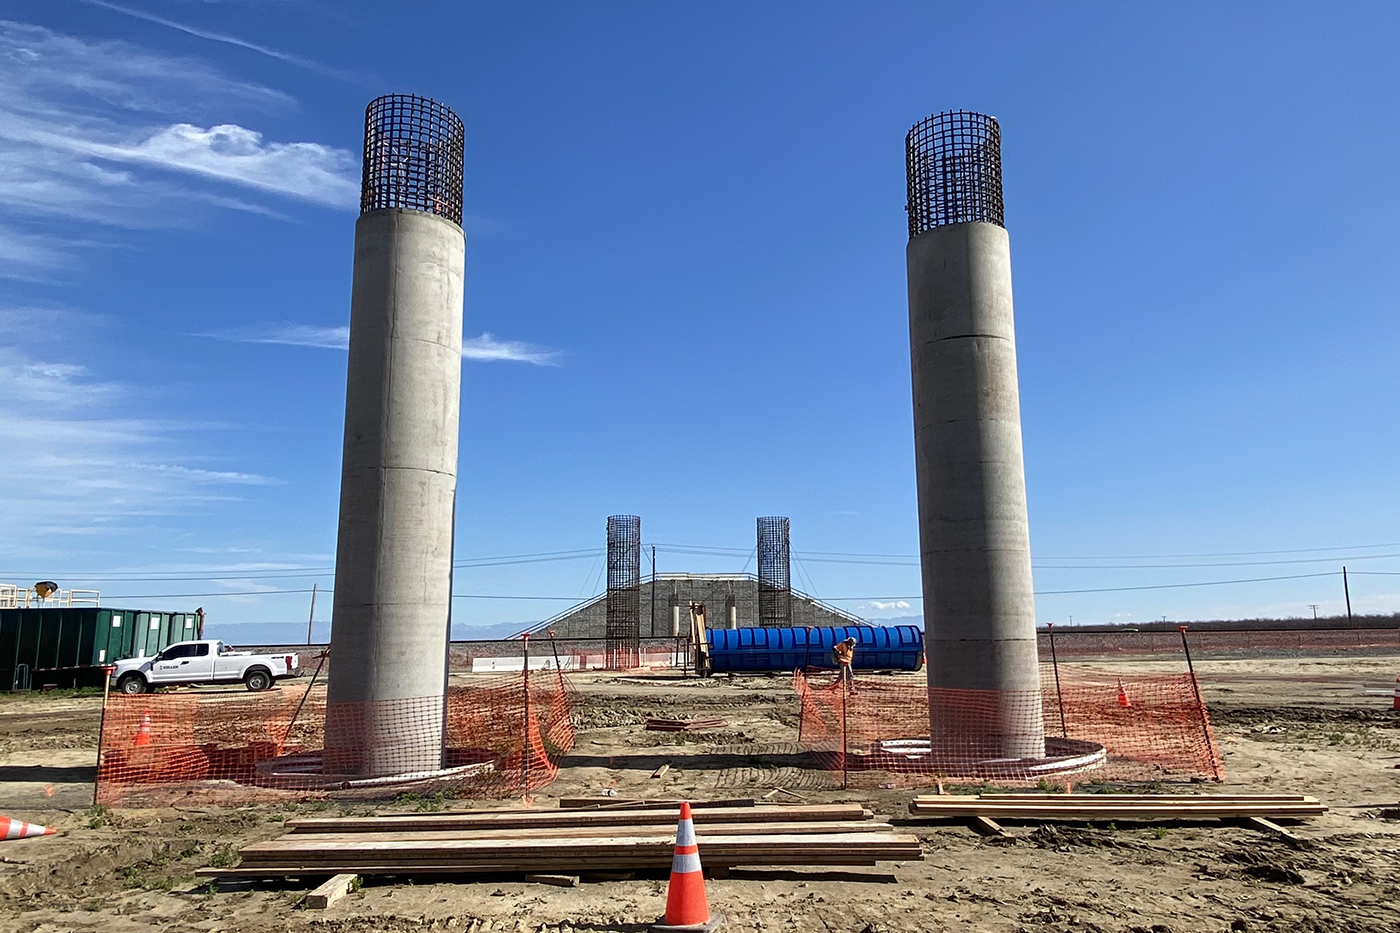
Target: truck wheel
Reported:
point(132, 684)
point(257, 679)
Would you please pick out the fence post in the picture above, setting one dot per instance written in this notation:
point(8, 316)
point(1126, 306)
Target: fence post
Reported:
point(102, 729)
point(525, 732)
point(1055, 665)
point(845, 747)
point(1200, 704)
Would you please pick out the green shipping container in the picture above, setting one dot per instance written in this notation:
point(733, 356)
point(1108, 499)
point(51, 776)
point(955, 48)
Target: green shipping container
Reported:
point(67, 647)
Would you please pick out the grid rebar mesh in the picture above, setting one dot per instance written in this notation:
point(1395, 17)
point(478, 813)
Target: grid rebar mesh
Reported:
point(413, 156)
point(954, 171)
point(624, 621)
point(774, 573)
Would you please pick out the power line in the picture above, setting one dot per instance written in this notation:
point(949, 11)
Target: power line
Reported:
point(566, 599)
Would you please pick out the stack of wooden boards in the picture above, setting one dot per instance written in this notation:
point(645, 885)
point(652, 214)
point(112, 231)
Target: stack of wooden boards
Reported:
point(1106, 807)
point(596, 840)
point(684, 725)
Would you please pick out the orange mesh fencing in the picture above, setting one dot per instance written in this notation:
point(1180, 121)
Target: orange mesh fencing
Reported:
point(1097, 726)
point(502, 737)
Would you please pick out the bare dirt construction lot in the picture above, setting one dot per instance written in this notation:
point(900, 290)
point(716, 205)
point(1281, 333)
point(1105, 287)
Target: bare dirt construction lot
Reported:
point(1321, 726)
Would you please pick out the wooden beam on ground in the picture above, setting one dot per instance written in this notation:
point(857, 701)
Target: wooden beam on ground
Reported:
point(330, 892)
point(558, 881)
point(987, 827)
point(1114, 807)
point(560, 819)
point(1269, 826)
point(578, 803)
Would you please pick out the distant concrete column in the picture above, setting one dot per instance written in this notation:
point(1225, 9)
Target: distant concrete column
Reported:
point(974, 538)
point(774, 552)
point(393, 579)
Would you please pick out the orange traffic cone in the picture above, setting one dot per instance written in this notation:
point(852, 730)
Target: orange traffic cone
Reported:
point(143, 731)
point(1123, 700)
point(686, 906)
point(1395, 703)
point(14, 829)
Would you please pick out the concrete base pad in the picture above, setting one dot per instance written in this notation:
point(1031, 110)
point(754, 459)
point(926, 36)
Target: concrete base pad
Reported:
point(716, 918)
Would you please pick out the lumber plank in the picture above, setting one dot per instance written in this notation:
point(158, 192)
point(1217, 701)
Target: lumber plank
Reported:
point(1269, 826)
point(524, 819)
point(576, 803)
point(330, 891)
point(987, 827)
point(1224, 809)
point(1247, 798)
point(558, 881)
point(601, 854)
point(428, 833)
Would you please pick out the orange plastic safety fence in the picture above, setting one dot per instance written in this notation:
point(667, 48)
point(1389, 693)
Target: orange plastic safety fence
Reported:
point(502, 737)
point(1096, 725)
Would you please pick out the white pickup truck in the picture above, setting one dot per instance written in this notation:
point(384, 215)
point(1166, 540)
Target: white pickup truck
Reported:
point(203, 662)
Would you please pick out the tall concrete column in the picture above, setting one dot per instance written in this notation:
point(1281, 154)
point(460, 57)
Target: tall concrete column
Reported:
point(393, 576)
point(979, 614)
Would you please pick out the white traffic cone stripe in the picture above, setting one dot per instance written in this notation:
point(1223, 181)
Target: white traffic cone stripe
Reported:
point(683, 863)
point(685, 833)
point(20, 830)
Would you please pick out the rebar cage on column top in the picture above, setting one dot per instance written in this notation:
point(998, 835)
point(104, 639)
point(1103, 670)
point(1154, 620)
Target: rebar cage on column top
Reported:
point(954, 171)
point(774, 572)
point(624, 619)
point(413, 157)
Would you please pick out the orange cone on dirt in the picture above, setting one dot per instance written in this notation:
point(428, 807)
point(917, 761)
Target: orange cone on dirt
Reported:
point(143, 730)
point(1123, 700)
point(686, 906)
point(15, 829)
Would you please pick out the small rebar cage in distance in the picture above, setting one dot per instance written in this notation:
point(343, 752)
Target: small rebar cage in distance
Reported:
point(413, 157)
point(954, 171)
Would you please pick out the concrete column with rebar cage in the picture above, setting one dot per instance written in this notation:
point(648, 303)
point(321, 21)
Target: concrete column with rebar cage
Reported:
point(623, 635)
point(393, 573)
point(774, 551)
point(979, 614)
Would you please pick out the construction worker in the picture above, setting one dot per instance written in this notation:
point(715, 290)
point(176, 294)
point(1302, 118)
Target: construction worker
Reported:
point(844, 654)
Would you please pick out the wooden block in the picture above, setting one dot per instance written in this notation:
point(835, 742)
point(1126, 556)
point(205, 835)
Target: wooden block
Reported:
point(1269, 826)
point(659, 772)
point(987, 827)
point(330, 892)
point(559, 881)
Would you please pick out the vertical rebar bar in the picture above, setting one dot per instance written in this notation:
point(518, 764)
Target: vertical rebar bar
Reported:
point(1055, 664)
point(1200, 703)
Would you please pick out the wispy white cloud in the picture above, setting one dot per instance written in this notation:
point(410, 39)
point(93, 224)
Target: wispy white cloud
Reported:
point(118, 136)
point(75, 463)
point(887, 606)
point(309, 171)
point(212, 36)
point(484, 349)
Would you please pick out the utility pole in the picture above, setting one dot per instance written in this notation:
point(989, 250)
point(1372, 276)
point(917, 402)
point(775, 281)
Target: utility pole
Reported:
point(653, 589)
point(1346, 591)
point(1313, 607)
point(312, 617)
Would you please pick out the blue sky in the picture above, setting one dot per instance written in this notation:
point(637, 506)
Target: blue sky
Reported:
point(685, 292)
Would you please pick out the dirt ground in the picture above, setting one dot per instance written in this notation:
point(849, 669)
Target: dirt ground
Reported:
point(1320, 726)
